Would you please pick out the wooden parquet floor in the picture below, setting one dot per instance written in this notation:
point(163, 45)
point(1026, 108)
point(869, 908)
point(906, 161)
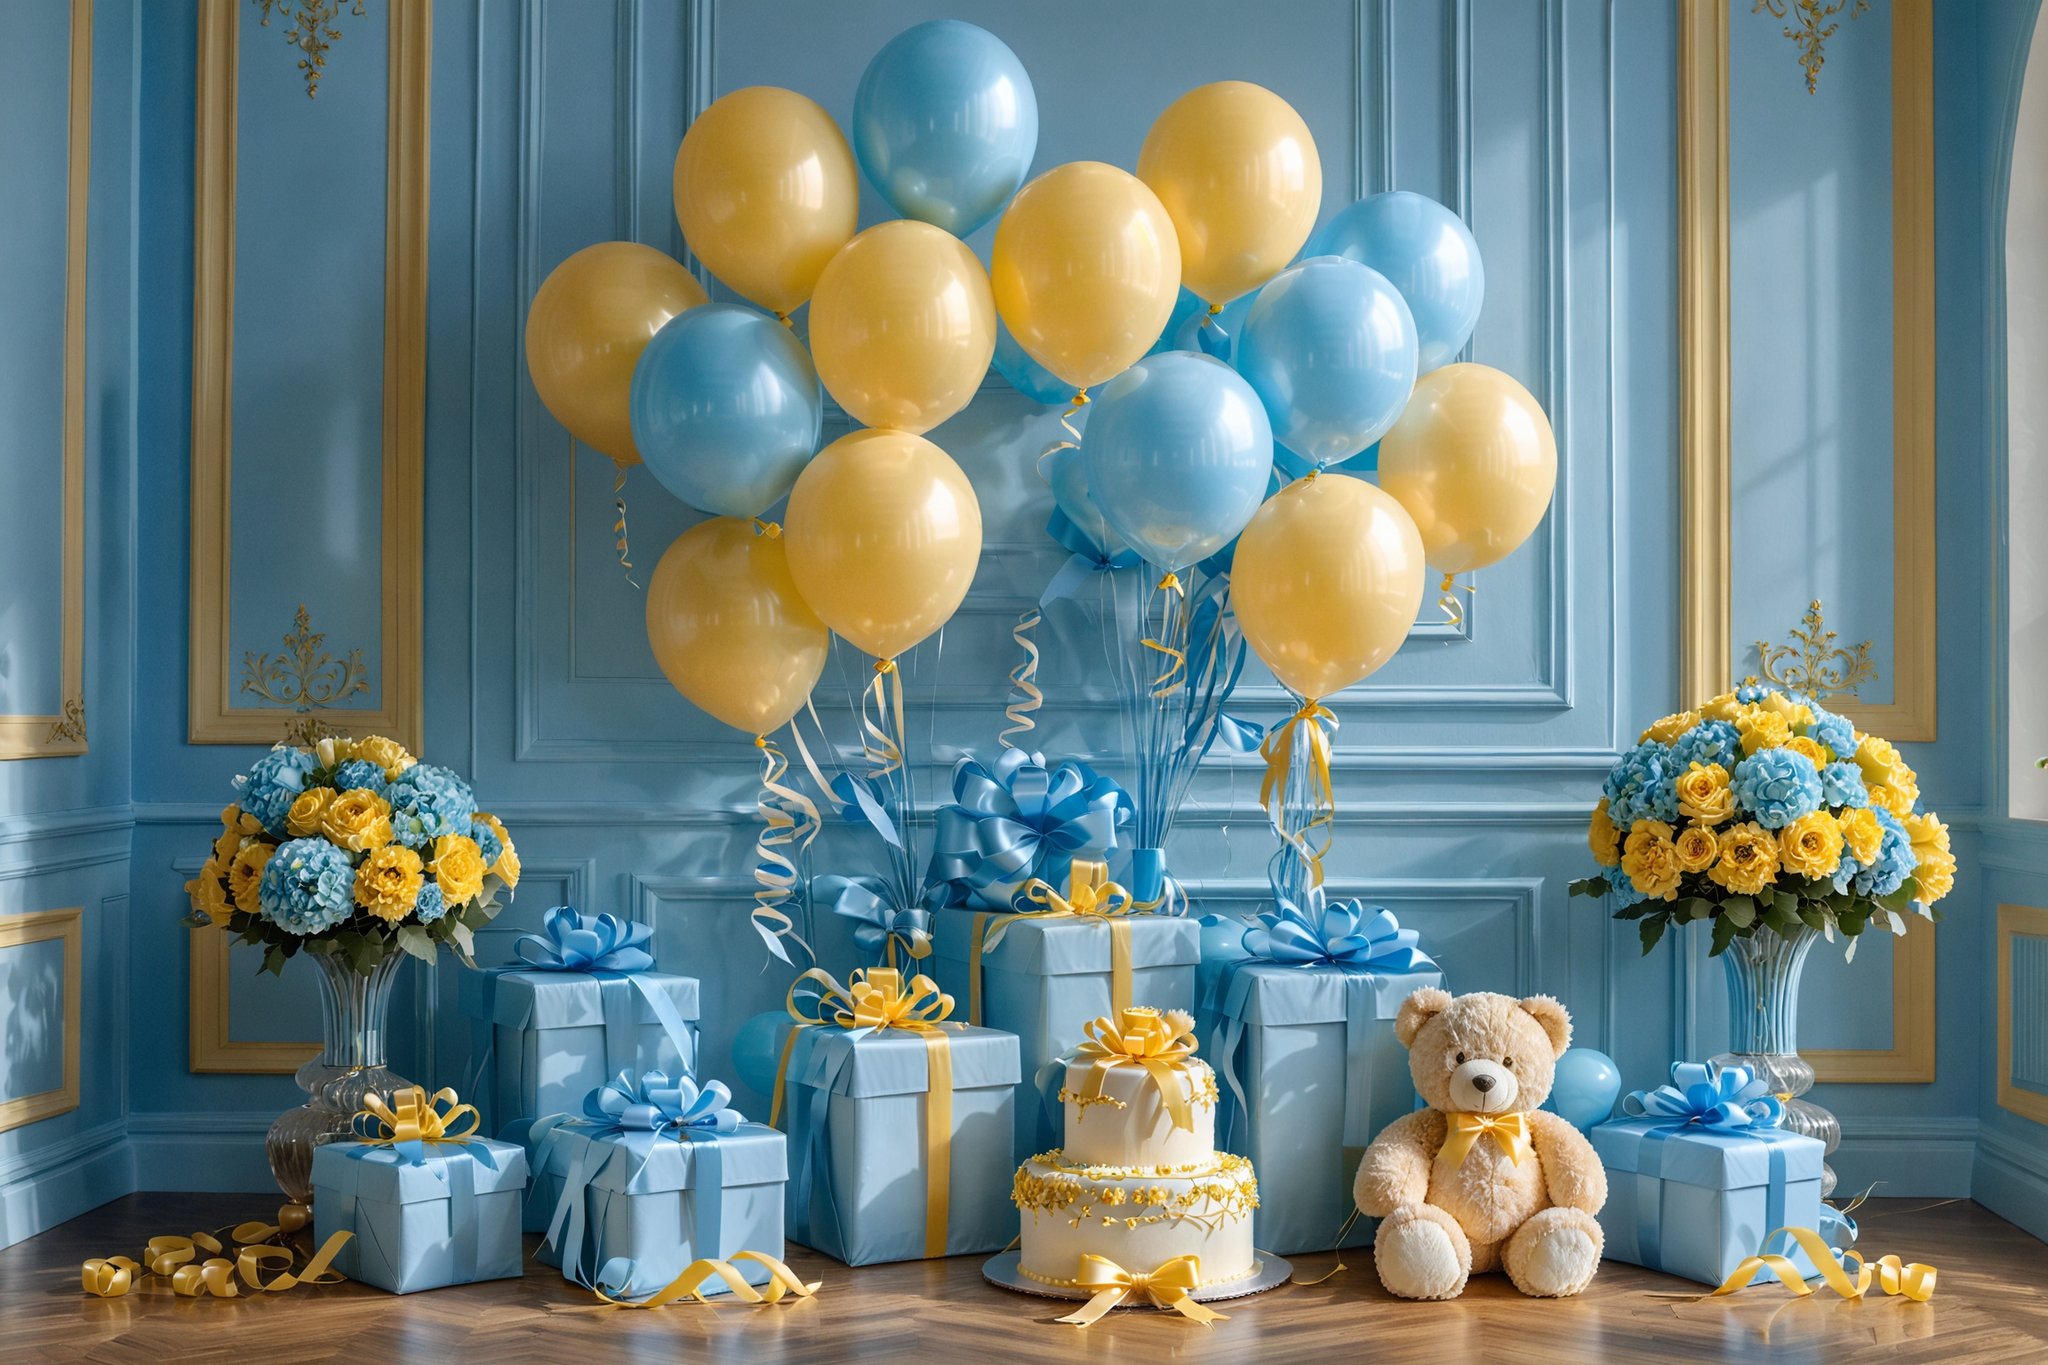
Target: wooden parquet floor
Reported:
point(1989, 1306)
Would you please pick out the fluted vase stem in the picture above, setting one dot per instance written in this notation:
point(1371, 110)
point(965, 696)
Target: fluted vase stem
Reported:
point(1764, 970)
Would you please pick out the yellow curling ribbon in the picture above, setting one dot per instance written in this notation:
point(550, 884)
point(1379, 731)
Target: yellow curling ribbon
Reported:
point(199, 1265)
point(1175, 671)
point(885, 695)
point(1141, 1036)
point(618, 526)
point(413, 1116)
point(1090, 895)
point(1509, 1131)
point(769, 530)
point(782, 1283)
point(775, 870)
point(1454, 611)
point(1171, 1285)
point(1887, 1274)
point(1023, 681)
point(1315, 721)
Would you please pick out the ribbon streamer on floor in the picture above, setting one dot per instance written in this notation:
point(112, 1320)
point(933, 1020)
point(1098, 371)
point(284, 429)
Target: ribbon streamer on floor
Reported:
point(783, 1283)
point(1318, 801)
point(258, 1248)
point(789, 821)
point(1914, 1280)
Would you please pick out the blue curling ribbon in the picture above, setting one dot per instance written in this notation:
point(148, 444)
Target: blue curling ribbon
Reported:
point(1216, 659)
point(1021, 820)
point(573, 942)
point(1346, 933)
point(880, 927)
point(1721, 1099)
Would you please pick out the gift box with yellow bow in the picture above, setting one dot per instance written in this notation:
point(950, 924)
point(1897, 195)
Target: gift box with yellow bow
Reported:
point(1064, 956)
point(899, 1119)
point(430, 1202)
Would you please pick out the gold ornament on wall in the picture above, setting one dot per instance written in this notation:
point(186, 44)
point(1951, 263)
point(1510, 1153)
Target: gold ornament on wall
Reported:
point(70, 726)
point(304, 677)
point(1810, 28)
point(313, 31)
point(1813, 664)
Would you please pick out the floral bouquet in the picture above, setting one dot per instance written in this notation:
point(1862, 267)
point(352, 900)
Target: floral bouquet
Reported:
point(1762, 810)
point(353, 847)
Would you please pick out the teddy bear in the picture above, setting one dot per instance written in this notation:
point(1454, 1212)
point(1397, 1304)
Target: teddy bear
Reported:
point(1482, 1180)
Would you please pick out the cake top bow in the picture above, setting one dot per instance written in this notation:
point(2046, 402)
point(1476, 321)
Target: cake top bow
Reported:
point(1727, 1099)
point(1344, 933)
point(411, 1118)
point(652, 1103)
point(573, 942)
point(877, 998)
point(1141, 1036)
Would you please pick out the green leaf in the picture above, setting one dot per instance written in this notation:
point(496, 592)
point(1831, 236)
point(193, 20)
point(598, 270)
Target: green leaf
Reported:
point(1651, 930)
point(273, 959)
point(1702, 908)
point(1588, 886)
point(1816, 918)
point(1740, 911)
point(1852, 920)
point(415, 940)
point(1724, 931)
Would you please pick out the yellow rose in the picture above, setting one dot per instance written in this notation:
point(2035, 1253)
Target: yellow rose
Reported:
point(1861, 833)
point(1935, 876)
point(1651, 860)
point(1761, 729)
point(1723, 707)
point(209, 897)
point(1890, 798)
point(1703, 794)
point(224, 847)
point(1797, 715)
point(1601, 836)
point(387, 754)
point(334, 749)
point(458, 868)
point(233, 817)
point(1929, 835)
point(1818, 753)
point(1697, 848)
point(388, 882)
point(1882, 766)
point(357, 820)
point(1811, 846)
point(303, 820)
point(506, 869)
point(1748, 861)
point(245, 873)
point(1672, 726)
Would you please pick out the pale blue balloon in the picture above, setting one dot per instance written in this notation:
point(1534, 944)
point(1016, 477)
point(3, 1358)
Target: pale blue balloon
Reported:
point(1428, 253)
point(945, 124)
point(726, 409)
point(1330, 349)
point(1584, 1088)
point(757, 1050)
point(1067, 475)
point(1026, 375)
point(1178, 452)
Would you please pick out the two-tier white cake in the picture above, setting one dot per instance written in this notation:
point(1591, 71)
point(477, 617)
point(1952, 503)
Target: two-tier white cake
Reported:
point(1139, 1181)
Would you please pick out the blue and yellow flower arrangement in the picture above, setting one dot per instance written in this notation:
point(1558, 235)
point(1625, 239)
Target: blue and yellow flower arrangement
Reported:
point(354, 847)
point(1763, 810)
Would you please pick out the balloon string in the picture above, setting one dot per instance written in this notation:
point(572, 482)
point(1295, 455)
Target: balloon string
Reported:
point(788, 818)
point(875, 709)
point(768, 530)
point(1176, 661)
point(1454, 611)
point(619, 526)
point(784, 319)
point(1313, 721)
point(1023, 679)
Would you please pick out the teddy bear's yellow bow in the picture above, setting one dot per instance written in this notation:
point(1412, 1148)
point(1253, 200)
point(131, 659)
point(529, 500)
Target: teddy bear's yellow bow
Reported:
point(1509, 1131)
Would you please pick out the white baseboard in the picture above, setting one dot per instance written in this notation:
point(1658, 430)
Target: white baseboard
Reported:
point(43, 1188)
point(2011, 1179)
point(1906, 1158)
point(201, 1153)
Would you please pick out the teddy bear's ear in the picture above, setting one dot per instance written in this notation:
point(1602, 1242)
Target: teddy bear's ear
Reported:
point(1556, 1021)
point(1417, 1010)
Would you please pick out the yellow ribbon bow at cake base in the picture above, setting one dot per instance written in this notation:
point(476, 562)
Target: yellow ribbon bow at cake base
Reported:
point(1142, 1037)
point(1090, 895)
point(1509, 1131)
point(1913, 1281)
point(1171, 1285)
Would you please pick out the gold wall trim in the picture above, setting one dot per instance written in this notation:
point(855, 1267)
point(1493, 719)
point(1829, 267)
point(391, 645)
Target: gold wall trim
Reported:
point(1705, 645)
point(67, 927)
point(210, 1045)
point(63, 734)
point(1910, 1058)
point(214, 719)
point(2014, 920)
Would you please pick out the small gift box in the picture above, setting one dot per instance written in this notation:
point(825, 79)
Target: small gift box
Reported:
point(430, 1203)
point(1302, 1031)
point(1699, 1174)
point(899, 1123)
point(586, 1006)
point(653, 1176)
point(1042, 974)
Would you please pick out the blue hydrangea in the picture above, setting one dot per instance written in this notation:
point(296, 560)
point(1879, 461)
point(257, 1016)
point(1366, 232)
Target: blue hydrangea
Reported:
point(428, 802)
point(1841, 784)
point(1834, 731)
point(308, 886)
point(431, 905)
point(1777, 786)
point(273, 782)
point(1749, 694)
point(487, 841)
point(1894, 862)
point(360, 772)
point(1623, 890)
point(1708, 743)
point(1643, 786)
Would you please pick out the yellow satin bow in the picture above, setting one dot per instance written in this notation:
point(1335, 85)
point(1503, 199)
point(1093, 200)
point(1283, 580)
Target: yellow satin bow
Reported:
point(782, 1283)
point(1171, 1285)
point(1091, 895)
point(1509, 1131)
point(1142, 1036)
point(258, 1247)
point(1914, 1281)
point(412, 1115)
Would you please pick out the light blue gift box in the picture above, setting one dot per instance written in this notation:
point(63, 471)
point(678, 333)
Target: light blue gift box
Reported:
point(451, 1217)
point(857, 1130)
point(652, 1203)
point(1047, 978)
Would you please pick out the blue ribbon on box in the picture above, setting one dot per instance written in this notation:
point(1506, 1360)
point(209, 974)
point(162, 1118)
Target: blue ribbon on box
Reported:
point(1018, 821)
point(610, 951)
point(879, 925)
point(455, 1173)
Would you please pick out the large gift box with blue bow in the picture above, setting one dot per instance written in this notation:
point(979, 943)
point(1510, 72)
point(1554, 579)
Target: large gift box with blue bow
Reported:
point(427, 1208)
point(1699, 1173)
point(899, 1123)
point(586, 1006)
point(1301, 1031)
point(653, 1175)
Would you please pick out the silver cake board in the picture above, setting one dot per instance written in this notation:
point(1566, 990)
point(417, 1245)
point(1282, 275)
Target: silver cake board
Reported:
point(1269, 1272)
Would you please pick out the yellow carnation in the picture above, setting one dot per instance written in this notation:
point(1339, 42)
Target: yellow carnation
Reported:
point(1601, 836)
point(1697, 848)
point(1797, 714)
point(1882, 765)
point(1929, 835)
point(1672, 726)
point(357, 820)
point(1935, 876)
point(1723, 707)
point(388, 882)
point(1748, 861)
point(1651, 860)
point(387, 754)
point(307, 812)
point(1817, 752)
point(1761, 729)
point(506, 869)
point(245, 873)
point(209, 897)
point(1811, 846)
point(224, 847)
point(1890, 798)
point(458, 868)
point(1861, 834)
point(1703, 794)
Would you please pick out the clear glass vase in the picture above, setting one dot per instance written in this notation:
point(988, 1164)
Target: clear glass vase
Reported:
point(1763, 1017)
point(353, 1013)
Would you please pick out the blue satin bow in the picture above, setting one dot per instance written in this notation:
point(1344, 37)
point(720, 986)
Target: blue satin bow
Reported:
point(1021, 821)
point(572, 942)
point(1345, 933)
point(652, 1103)
point(877, 921)
point(1085, 558)
point(1724, 1099)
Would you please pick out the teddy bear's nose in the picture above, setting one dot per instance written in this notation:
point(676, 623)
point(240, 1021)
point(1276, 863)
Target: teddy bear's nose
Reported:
point(1482, 1083)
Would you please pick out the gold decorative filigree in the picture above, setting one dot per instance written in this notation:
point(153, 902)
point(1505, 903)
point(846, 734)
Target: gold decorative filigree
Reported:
point(305, 677)
point(70, 727)
point(1810, 28)
point(1813, 664)
point(313, 31)
point(1223, 1191)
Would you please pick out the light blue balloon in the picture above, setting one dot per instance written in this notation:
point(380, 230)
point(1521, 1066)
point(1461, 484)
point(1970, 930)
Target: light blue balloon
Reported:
point(1584, 1088)
point(1026, 375)
point(757, 1050)
point(1067, 475)
point(1428, 253)
point(1330, 349)
point(945, 124)
point(726, 409)
point(1178, 452)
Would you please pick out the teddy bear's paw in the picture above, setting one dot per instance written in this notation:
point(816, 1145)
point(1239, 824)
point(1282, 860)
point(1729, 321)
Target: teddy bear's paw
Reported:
point(1554, 1254)
point(1422, 1253)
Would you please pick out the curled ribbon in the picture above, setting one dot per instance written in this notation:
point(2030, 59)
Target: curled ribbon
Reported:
point(618, 526)
point(788, 819)
point(1171, 639)
point(1346, 933)
point(1509, 1131)
point(1020, 820)
point(258, 1248)
point(1171, 1285)
point(1724, 1099)
point(882, 745)
point(1090, 894)
point(879, 925)
point(1454, 611)
point(1026, 696)
point(652, 1103)
point(1143, 1037)
point(1314, 721)
point(782, 1283)
point(411, 1119)
point(1913, 1280)
point(573, 942)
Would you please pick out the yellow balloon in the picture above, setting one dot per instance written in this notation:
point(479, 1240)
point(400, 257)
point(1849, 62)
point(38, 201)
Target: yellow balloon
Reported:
point(729, 627)
point(588, 323)
point(766, 191)
point(1086, 269)
point(884, 534)
point(1474, 461)
point(903, 326)
point(1237, 170)
point(1326, 582)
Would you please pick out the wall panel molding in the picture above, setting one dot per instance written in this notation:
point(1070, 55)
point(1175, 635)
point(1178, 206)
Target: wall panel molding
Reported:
point(210, 1045)
point(65, 927)
point(2020, 922)
point(1910, 1058)
point(1706, 659)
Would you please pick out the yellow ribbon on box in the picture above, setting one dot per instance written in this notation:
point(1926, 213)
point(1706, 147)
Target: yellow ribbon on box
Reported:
point(782, 1283)
point(1509, 1131)
point(1143, 1037)
point(877, 998)
point(1913, 1281)
point(1171, 1285)
point(258, 1248)
point(1090, 895)
point(412, 1117)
